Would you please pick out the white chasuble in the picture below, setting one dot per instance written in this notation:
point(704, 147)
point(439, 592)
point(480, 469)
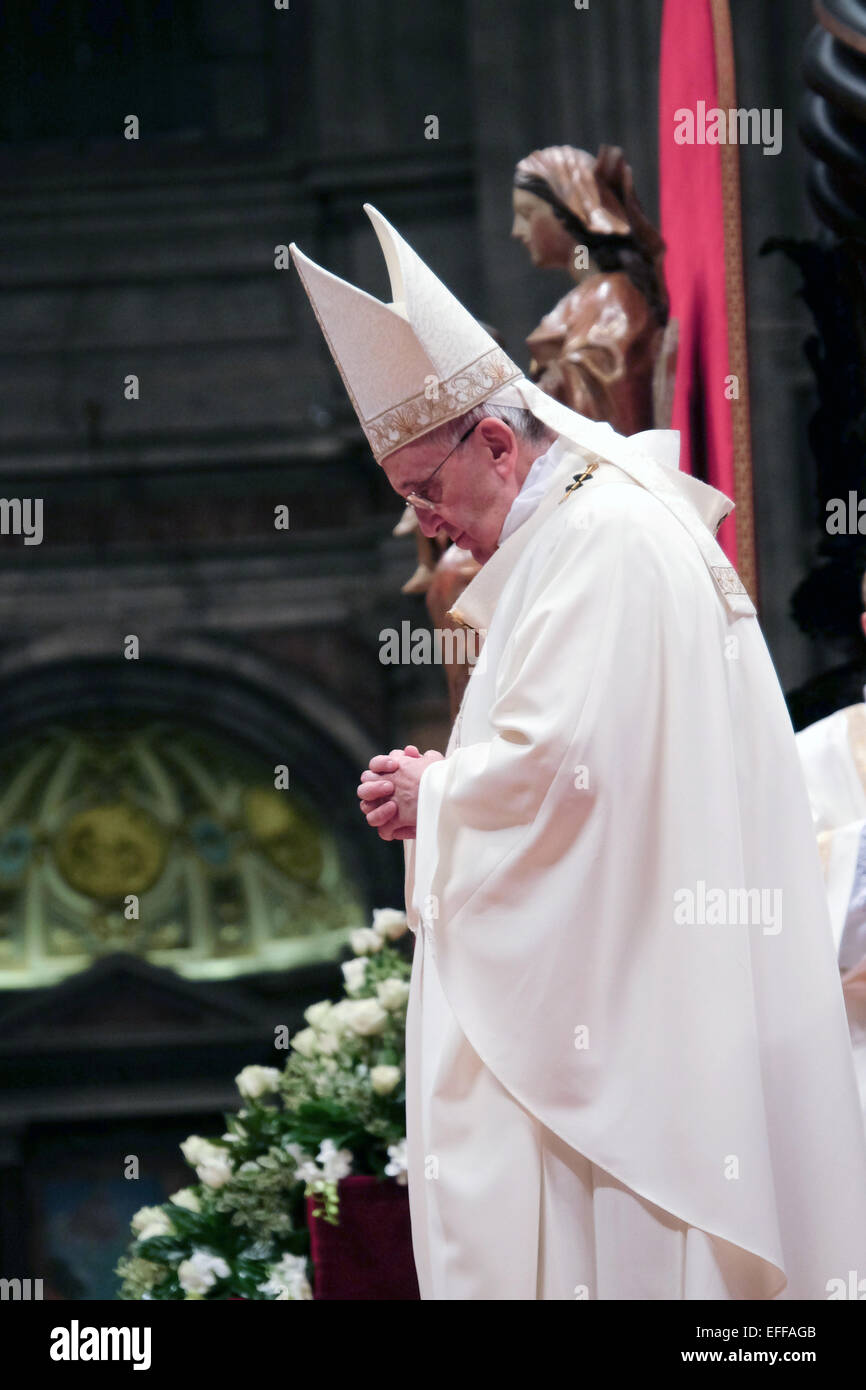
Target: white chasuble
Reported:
point(628, 1065)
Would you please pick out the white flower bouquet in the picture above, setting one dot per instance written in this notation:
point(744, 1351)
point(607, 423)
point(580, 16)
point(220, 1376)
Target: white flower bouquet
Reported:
point(337, 1108)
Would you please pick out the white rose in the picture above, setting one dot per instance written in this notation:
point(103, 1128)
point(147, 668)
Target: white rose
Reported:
point(367, 1017)
point(212, 1163)
point(329, 1043)
point(151, 1221)
point(216, 1172)
point(383, 1079)
point(305, 1042)
point(354, 973)
point(201, 1272)
point(193, 1147)
point(392, 993)
point(197, 1150)
point(389, 922)
point(186, 1198)
point(339, 1019)
point(253, 1081)
point(317, 1013)
point(365, 941)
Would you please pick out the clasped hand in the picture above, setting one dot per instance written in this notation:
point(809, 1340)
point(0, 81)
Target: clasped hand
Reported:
point(388, 791)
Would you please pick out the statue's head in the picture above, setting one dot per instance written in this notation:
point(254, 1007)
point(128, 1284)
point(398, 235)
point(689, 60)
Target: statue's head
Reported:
point(565, 198)
point(561, 200)
point(548, 240)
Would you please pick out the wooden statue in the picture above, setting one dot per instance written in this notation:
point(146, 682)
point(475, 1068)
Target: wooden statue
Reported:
point(442, 573)
point(603, 349)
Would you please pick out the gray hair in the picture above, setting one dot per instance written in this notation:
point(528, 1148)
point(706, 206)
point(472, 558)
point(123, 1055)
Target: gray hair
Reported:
point(525, 425)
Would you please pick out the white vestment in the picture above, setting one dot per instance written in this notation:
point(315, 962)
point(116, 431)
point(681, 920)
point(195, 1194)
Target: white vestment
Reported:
point(833, 754)
point(605, 1100)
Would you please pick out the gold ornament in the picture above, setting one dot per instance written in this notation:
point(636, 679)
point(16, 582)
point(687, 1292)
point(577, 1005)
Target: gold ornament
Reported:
point(284, 834)
point(109, 851)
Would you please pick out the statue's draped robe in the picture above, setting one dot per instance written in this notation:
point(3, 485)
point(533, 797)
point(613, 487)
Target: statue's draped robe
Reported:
point(833, 755)
point(596, 352)
point(604, 1101)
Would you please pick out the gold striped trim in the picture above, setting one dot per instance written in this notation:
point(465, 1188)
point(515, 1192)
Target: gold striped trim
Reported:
point(408, 420)
point(735, 295)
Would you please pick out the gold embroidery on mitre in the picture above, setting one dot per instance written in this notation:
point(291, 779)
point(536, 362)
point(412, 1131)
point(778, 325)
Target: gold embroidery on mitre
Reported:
point(411, 418)
point(855, 716)
point(728, 580)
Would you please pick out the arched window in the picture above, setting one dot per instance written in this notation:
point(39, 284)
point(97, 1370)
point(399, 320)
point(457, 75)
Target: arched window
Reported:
point(166, 840)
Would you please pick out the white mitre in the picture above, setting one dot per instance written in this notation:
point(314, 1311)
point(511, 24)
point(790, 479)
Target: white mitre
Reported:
point(410, 365)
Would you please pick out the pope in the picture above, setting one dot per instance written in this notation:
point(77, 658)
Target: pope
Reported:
point(607, 1096)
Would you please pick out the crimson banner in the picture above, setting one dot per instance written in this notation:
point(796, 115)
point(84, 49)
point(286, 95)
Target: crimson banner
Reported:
point(701, 223)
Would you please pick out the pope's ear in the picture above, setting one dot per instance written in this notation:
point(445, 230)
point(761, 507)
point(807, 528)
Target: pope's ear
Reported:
point(863, 623)
point(496, 434)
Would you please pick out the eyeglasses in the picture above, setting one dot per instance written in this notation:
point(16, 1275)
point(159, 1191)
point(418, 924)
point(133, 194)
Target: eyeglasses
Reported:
point(417, 499)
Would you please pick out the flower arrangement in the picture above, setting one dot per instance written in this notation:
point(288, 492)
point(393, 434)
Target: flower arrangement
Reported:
point(336, 1108)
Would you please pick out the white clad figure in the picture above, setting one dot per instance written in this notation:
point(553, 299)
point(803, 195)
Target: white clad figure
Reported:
point(628, 1065)
point(833, 754)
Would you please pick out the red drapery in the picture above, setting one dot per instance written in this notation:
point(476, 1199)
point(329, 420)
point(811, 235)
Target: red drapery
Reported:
point(700, 215)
